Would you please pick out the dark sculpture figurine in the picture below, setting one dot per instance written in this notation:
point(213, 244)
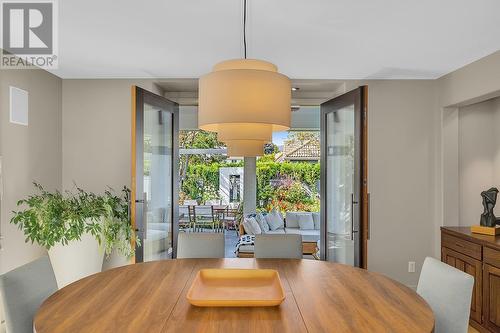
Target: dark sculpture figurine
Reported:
point(488, 219)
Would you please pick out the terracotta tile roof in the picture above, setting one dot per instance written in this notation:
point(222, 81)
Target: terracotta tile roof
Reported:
point(301, 150)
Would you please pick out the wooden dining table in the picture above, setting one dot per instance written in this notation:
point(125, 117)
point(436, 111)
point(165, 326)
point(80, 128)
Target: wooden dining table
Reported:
point(151, 297)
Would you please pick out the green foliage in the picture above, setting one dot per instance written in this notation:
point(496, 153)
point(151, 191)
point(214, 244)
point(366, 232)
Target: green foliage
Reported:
point(200, 174)
point(200, 140)
point(295, 185)
point(303, 136)
point(202, 180)
point(50, 218)
point(270, 149)
point(294, 193)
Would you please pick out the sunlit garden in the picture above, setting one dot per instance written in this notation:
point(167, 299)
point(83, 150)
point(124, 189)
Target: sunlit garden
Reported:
point(287, 182)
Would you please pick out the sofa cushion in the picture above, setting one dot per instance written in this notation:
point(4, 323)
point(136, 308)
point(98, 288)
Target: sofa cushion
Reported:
point(261, 220)
point(274, 220)
point(317, 221)
point(251, 226)
point(311, 232)
point(292, 219)
point(306, 222)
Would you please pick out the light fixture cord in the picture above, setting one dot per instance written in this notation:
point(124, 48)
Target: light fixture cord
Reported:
point(245, 27)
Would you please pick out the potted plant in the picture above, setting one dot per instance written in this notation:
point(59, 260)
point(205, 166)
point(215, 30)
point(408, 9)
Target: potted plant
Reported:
point(77, 229)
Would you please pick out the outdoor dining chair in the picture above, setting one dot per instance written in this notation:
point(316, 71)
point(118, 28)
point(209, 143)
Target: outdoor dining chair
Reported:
point(185, 218)
point(230, 218)
point(204, 217)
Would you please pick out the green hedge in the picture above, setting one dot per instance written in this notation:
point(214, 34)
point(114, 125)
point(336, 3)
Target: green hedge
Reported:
point(299, 188)
point(299, 191)
point(202, 180)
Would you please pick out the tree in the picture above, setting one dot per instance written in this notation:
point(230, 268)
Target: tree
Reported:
point(270, 148)
point(302, 136)
point(201, 140)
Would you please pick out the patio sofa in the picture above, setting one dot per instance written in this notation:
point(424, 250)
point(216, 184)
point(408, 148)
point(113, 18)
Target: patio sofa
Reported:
point(310, 231)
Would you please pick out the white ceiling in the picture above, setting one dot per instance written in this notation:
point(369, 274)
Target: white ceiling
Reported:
point(307, 39)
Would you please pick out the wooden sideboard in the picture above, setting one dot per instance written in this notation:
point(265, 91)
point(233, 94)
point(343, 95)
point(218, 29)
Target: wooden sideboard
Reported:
point(478, 255)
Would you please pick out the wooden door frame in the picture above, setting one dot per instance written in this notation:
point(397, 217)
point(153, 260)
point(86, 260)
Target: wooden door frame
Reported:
point(360, 97)
point(139, 97)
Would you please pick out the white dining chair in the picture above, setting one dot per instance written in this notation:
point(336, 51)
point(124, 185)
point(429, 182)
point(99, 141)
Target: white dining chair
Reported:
point(23, 290)
point(278, 246)
point(200, 245)
point(448, 291)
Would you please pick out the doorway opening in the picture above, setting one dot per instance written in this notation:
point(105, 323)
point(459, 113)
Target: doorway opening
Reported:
point(314, 175)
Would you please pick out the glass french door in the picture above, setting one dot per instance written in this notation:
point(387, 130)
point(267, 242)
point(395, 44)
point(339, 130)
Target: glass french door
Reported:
point(344, 198)
point(154, 209)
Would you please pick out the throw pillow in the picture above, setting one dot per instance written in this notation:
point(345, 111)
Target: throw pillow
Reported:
point(292, 219)
point(274, 220)
point(306, 222)
point(261, 220)
point(251, 226)
point(247, 227)
point(255, 226)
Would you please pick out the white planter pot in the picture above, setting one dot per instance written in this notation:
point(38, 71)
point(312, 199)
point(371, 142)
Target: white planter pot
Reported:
point(114, 260)
point(76, 260)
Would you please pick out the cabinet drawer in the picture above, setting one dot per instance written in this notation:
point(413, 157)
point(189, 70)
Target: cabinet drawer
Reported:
point(492, 257)
point(472, 267)
point(462, 246)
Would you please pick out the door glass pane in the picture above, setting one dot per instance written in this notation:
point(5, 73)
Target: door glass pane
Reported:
point(157, 219)
point(340, 169)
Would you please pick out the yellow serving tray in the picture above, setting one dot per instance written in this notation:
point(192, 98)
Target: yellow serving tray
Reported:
point(236, 287)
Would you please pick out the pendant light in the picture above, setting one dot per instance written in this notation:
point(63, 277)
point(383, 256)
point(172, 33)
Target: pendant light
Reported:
point(244, 101)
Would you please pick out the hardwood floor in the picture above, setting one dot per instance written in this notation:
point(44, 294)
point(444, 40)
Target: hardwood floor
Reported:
point(472, 330)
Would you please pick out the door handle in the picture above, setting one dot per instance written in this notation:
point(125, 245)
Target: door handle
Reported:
point(352, 216)
point(144, 215)
point(368, 213)
point(144, 202)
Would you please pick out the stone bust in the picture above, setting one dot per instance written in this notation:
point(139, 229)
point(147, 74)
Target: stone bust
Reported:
point(488, 219)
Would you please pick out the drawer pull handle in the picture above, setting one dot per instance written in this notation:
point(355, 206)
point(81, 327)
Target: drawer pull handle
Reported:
point(459, 245)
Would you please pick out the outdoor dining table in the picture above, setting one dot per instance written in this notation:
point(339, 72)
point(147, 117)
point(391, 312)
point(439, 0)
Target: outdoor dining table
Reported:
point(151, 297)
point(220, 207)
point(220, 210)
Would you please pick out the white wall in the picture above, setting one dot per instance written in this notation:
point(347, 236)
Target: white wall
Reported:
point(474, 83)
point(225, 185)
point(29, 153)
point(96, 136)
point(479, 151)
point(96, 133)
point(496, 154)
point(401, 175)
point(470, 84)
